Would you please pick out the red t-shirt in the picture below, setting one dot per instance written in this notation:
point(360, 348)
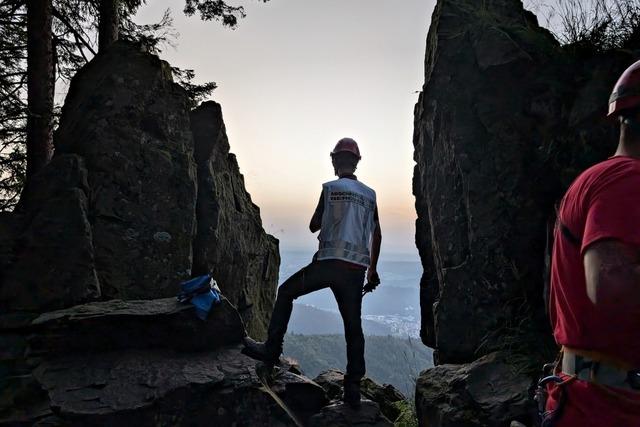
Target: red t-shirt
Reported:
point(602, 203)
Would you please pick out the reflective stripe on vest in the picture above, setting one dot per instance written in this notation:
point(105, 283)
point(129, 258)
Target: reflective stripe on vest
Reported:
point(347, 221)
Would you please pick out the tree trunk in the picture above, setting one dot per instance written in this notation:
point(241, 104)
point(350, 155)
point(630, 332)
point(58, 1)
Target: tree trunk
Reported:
point(40, 85)
point(109, 25)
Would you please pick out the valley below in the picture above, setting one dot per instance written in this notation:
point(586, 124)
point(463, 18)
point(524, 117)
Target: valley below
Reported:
point(390, 321)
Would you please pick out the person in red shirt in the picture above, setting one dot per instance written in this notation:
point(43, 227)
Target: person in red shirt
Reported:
point(595, 282)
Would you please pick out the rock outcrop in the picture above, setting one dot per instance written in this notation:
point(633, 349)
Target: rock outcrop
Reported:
point(153, 382)
point(141, 194)
point(339, 415)
point(129, 121)
point(506, 120)
point(230, 242)
point(386, 396)
point(127, 325)
point(49, 262)
point(491, 391)
point(154, 363)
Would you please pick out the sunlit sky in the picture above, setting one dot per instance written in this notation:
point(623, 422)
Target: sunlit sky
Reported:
point(297, 75)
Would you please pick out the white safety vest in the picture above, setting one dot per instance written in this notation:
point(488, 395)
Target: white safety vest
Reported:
point(347, 221)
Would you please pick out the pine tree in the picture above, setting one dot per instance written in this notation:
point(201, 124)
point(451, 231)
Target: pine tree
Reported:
point(13, 108)
point(109, 23)
point(40, 85)
point(46, 43)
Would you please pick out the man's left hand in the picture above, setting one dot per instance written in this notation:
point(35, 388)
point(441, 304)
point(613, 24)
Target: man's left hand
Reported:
point(372, 276)
point(373, 280)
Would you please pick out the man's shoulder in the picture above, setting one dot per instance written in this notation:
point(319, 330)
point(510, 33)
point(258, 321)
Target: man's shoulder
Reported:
point(351, 183)
point(371, 190)
point(611, 172)
point(614, 165)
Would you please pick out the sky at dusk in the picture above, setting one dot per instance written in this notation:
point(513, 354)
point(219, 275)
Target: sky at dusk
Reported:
point(297, 75)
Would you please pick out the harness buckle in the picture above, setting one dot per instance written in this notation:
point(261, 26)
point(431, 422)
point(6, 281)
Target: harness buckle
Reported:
point(547, 418)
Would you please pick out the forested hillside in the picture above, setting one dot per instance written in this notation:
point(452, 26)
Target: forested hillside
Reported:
point(307, 320)
point(389, 359)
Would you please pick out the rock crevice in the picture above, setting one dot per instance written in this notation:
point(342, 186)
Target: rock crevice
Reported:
point(229, 241)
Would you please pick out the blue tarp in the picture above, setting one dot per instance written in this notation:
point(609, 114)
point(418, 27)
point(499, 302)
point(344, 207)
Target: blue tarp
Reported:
point(202, 292)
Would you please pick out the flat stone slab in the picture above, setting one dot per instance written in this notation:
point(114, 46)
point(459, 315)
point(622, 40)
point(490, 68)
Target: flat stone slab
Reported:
point(116, 324)
point(166, 388)
point(340, 415)
point(492, 391)
point(301, 394)
point(384, 395)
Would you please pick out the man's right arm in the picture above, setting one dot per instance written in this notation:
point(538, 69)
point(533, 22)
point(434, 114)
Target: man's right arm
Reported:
point(612, 271)
point(611, 245)
point(316, 219)
point(375, 251)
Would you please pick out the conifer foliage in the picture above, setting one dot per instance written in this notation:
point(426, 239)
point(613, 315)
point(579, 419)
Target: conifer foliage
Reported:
point(42, 45)
point(592, 25)
point(13, 108)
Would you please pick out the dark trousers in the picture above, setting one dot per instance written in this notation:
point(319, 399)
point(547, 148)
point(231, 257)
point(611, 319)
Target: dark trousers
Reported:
point(346, 284)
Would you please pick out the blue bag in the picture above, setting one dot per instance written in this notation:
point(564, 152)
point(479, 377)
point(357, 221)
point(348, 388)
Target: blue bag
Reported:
point(202, 292)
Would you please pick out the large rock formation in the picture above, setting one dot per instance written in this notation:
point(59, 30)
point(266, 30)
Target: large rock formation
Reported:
point(339, 415)
point(155, 377)
point(141, 194)
point(49, 262)
point(492, 391)
point(154, 363)
point(121, 215)
point(230, 242)
point(125, 325)
point(387, 396)
point(130, 123)
point(506, 119)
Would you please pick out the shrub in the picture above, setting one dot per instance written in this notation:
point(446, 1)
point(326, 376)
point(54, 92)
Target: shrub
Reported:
point(598, 25)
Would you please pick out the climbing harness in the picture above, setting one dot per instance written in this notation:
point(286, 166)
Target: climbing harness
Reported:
point(549, 418)
point(576, 366)
point(598, 370)
point(550, 374)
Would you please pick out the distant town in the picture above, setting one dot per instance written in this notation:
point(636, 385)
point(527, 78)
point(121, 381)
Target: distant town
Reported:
point(401, 326)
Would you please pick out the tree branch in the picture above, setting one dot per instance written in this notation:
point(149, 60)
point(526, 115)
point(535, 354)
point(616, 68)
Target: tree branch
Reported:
point(18, 73)
point(77, 35)
point(17, 23)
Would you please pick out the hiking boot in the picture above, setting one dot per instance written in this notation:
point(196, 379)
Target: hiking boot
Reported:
point(351, 395)
point(259, 351)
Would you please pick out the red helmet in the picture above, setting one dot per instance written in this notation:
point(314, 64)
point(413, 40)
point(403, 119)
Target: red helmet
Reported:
point(626, 92)
point(347, 145)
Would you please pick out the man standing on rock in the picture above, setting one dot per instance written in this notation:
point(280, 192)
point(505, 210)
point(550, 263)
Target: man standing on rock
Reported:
point(350, 238)
point(595, 281)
